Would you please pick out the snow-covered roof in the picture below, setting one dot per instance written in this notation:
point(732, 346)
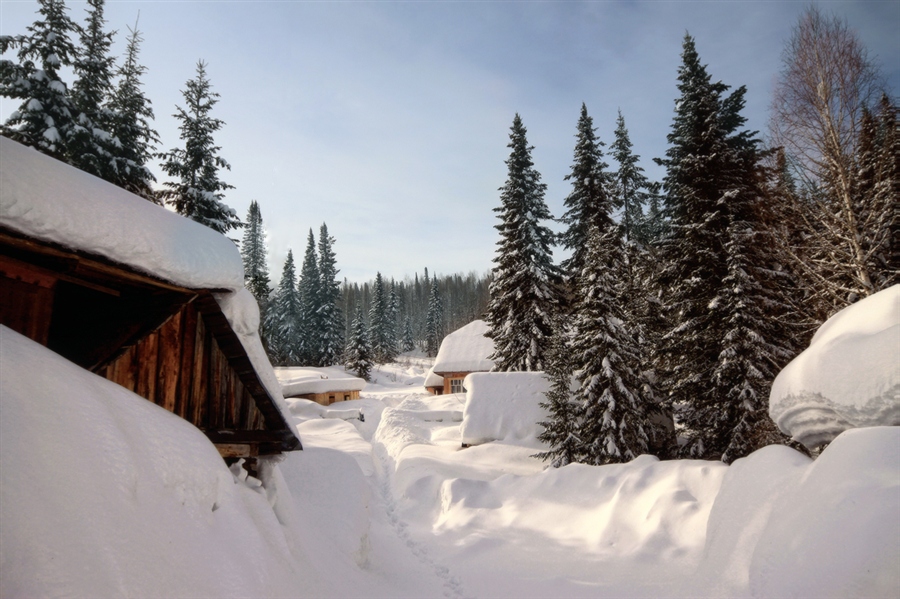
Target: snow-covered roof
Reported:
point(465, 350)
point(433, 380)
point(848, 377)
point(49, 200)
point(300, 381)
point(504, 406)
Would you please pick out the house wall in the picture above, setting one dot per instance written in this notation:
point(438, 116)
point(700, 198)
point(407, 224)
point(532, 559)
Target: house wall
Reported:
point(449, 377)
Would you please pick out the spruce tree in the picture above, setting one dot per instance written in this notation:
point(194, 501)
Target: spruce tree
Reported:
point(525, 290)
point(588, 203)
point(717, 293)
point(561, 429)
point(383, 347)
point(331, 342)
point(606, 358)
point(631, 187)
point(434, 321)
point(45, 117)
point(131, 125)
point(407, 343)
point(197, 190)
point(358, 356)
point(256, 269)
point(283, 318)
point(91, 145)
point(309, 295)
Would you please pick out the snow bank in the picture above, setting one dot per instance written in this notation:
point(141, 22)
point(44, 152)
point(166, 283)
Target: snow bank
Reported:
point(433, 380)
point(465, 350)
point(849, 376)
point(504, 406)
point(835, 532)
point(105, 494)
point(300, 381)
point(49, 200)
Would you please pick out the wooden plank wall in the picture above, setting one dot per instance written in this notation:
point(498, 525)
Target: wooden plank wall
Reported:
point(181, 368)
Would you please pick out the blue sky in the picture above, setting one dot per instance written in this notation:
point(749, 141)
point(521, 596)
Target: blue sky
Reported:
point(389, 120)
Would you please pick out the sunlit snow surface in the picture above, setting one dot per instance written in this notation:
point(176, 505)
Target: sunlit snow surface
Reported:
point(848, 377)
point(105, 494)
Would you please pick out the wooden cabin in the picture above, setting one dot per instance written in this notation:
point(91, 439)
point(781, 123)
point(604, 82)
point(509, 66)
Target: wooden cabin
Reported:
point(324, 386)
point(464, 351)
point(169, 343)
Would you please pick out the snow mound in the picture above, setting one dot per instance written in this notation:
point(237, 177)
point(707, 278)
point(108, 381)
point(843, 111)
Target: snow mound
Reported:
point(465, 350)
point(849, 377)
point(105, 494)
point(835, 532)
point(504, 406)
point(52, 201)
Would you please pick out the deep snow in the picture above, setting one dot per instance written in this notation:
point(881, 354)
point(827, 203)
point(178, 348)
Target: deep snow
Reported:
point(106, 494)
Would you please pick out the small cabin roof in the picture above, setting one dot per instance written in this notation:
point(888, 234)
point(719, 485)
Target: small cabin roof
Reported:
point(465, 350)
point(433, 380)
point(296, 381)
point(102, 219)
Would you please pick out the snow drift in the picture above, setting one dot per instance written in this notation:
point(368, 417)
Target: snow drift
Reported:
point(849, 377)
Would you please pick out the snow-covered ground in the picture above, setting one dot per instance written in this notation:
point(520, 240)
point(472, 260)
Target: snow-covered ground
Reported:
point(104, 495)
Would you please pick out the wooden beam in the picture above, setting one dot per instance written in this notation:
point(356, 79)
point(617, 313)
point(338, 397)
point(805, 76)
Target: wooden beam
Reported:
point(237, 450)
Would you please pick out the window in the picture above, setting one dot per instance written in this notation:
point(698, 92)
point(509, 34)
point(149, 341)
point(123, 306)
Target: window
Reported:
point(346, 398)
point(456, 386)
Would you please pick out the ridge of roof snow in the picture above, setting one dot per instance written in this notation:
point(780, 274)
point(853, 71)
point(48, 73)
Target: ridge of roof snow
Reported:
point(51, 201)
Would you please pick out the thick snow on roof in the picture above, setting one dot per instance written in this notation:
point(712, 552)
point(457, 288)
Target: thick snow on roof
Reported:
point(465, 350)
point(849, 377)
point(242, 312)
point(52, 201)
point(433, 380)
point(302, 380)
point(504, 406)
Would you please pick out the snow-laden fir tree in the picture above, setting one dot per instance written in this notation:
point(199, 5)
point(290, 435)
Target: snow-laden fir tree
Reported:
point(561, 429)
point(309, 295)
point(131, 126)
point(407, 342)
point(254, 252)
point(434, 321)
point(393, 314)
point(525, 289)
point(283, 318)
point(720, 299)
point(91, 146)
point(45, 116)
point(197, 190)
point(588, 203)
point(606, 358)
point(358, 354)
point(384, 348)
point(632, 188)
point(331, 340)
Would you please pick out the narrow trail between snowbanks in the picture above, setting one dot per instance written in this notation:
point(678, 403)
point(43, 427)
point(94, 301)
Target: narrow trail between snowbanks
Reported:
point(383, 488)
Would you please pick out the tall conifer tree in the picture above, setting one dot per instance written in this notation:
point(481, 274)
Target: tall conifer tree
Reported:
point(45, 117)
point(525, 289)
point(197, 190)
point(358, 356)
point(434, 321)
point(631, 187)
point(131, 126)
point(283, 318)
point(332, 333)
point(309, 295)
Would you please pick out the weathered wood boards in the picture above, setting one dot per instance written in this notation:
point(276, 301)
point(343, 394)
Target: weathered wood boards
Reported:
point(170, 345)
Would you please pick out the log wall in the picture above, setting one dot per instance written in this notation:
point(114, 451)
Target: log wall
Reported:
point(181, 368)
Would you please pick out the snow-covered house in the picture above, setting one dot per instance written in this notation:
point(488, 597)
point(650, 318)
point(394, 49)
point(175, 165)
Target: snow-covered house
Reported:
point(139, 295)
point(322, 385)
point(464, 351)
